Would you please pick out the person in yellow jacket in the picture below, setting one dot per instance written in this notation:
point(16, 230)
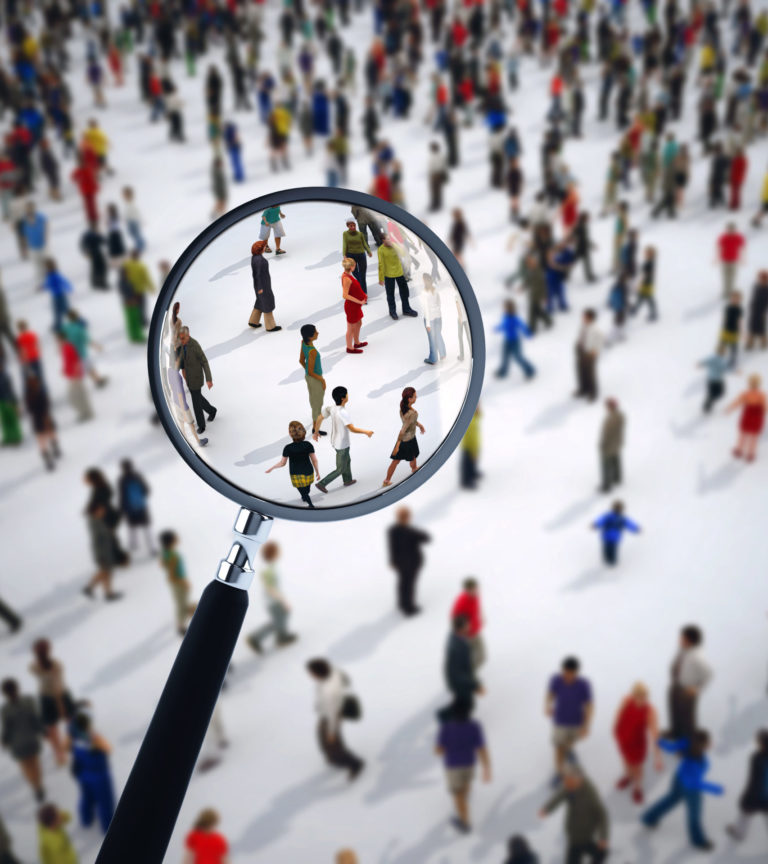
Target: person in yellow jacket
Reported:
point(137, 275)
point(758, 220)
point(95, 138)
point(470, 453)
point(54, 844)
point(279, 129)
point(707, 59)
point(391, 274)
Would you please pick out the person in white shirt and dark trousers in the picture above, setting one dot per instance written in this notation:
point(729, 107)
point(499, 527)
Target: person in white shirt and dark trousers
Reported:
point(588, 349)
point(341, 426)
point(333, 702)
point(690, 675)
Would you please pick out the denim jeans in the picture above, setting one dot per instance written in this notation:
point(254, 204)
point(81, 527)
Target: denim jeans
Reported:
point(435, 337)
point(512, 349)
point(135, 231)
point(675, 796)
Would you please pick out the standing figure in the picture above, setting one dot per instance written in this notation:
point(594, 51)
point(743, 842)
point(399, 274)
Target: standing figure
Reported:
point(310, 362)
point(458, 235)
point(354, 300)
point(587, 823)
point(341, 426)
point(737, 176)
point(433, 320)
point(406, 558)
point(21, 732)
point(636, 723)
point(470, 453)
point(196, 371)
point(758, 310)
point(173, 564)
point(687, 785)
point(588, 349)
point(271, 221)
point(437, 174)
point(264, 303)
point(754, 798)
point(90, 767)
point(55, 700)
point(611, 445)
point(331, 700)
point(460, 676)
point(569, 703)
point(391, 274)
point(302, 462)
point(513, 328)
point(218, 187)
point(690, 674)
point(611, 526)
point(92, 245)
point(406, 447)
point(133, 218)
point(647, 291)
point(730, 333)
point(716, 366)
point(354, 245)
point(204, 844)
point(277, 606)
point(39, 409)
point(115, 242)
point(730, 246)
point(468, 605)
point(133, 492)
point(59, 288)
point(73, 371)
point(753, 404)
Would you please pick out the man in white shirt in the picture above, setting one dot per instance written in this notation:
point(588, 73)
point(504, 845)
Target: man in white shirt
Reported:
point(341, 426)
point(690, 674)
point(588, 349)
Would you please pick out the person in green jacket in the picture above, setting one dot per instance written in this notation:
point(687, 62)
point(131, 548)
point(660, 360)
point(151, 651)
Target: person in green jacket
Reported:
point(54, 844)
point(391, 273)
point(196, 371)
point(355, 246)
point(470, 452)
point(586, 821)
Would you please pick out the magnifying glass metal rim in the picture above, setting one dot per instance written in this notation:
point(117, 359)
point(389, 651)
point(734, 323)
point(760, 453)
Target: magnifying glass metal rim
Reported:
point(264, 506)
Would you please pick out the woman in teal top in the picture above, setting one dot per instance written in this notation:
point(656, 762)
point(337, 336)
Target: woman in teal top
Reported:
point(310, 362)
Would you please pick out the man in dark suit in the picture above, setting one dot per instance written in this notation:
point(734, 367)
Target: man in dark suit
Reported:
point(196, 371)
point(406, 557)
point(459, 672)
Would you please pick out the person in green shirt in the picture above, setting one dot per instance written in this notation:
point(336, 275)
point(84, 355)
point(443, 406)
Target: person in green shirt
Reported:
point(310, 362)
point(355, 246)
point(173, 564)
point(277, 606)
point(270, 221)
point(391, 274)
point(470, 452)
point(75, 330)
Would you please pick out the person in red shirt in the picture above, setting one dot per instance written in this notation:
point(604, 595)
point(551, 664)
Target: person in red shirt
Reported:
point(86, 180)
point(730, 246)
point(28, 348)
point(738, 174)
point(382, 188)
point(468, 605)
point(204, 845)
point(636, 726)
point(74, 371)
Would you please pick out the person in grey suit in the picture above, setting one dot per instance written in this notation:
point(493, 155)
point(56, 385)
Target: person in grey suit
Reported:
point(196, 371)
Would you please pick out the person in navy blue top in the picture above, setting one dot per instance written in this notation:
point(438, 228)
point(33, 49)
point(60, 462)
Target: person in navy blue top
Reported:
point(687, 785)
point(513, 329)
point(90, 767)
point(611, 526)
point(559, 263)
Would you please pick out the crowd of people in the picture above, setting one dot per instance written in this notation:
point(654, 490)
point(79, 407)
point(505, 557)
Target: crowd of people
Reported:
point(653, 62)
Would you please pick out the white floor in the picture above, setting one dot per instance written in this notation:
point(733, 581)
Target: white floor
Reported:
point(524, 534)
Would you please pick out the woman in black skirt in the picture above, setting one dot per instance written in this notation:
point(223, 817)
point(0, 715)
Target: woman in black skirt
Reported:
point(56, 703)
point(100, 501)
point(39, 409)
point(406, 447)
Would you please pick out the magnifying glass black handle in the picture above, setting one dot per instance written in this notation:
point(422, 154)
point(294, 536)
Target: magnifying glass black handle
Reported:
point(149, 806)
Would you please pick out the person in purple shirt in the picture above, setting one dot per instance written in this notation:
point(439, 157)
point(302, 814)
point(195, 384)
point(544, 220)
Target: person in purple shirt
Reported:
point(461, 743)
point(688, 785)
point(513, 329)
point(611, 526)
point(569, 704)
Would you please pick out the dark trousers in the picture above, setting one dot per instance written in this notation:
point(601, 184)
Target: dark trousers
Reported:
point(682, 712)
point(435, 191)
point(336, 752)
point(9, 616)
point(536, 312)
point(199, 405)
point(676, 795)
point(462, 704)
point(610, 466)
point(586, 374)
point(667, 203)
point(360, 271)
point(406, 588)
point(589, 273)
point(651, 301)
point(610, 552)
point(389, 285)
point(715, 390)
point(577, 853)
point(468, 471)
point(96, 797)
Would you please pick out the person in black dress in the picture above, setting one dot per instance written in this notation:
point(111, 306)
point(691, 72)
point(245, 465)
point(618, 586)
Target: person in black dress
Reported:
point(758, 308)
point(100, 501)
point(39, 409)
point(754, 799)
point(302, 462)
point(406, 557)
point(92, 245)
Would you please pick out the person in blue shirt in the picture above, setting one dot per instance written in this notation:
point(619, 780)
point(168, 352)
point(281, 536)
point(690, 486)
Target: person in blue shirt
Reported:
point(611, 526)
point(618, 300)
point(90, 767)
point(34, 227)
point(559, 264)
point(59, 289)
point(513, 329)
point(716, 366)
point(234, 150)
point(687, 785)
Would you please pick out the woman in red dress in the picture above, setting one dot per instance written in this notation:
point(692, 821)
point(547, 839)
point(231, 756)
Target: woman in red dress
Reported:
point(635, 723)
point(752, 404)
point(204, 845)
point(569, 209)
point(354, 300)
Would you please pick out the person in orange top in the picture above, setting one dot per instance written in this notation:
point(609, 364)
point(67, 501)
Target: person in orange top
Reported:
point(752, 403)
point(636, 722)
point(468, 605)
point(28, 350)
point(204, 845)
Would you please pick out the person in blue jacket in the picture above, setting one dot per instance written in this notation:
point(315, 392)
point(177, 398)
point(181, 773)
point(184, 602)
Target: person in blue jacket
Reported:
point(559, 263)
point(687, 785)
point(321, 113)
point(59, 289)
point(234, 151)
point(514, 329)
point(611, 526)
point(90, 767)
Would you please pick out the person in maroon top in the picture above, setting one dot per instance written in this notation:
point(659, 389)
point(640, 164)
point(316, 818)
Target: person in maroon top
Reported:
point(636, 724)
point(468, 605)
point(738, 174)
point(204, 845)
point(730, 246)
point(86, 180)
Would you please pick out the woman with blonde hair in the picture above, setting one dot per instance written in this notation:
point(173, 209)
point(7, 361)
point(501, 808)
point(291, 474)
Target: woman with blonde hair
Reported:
point(346, 856)
point(55, 700)
point(354, 300)
point(204, 845)
point(636, 723)
point(752, 404)
point(406, 447)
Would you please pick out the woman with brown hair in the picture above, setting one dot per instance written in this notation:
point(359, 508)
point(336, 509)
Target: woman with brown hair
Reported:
point(21, 734)
point(406, 446)
point(354, 300)
point(55, 700)
point(262, 288)
point(204, 844)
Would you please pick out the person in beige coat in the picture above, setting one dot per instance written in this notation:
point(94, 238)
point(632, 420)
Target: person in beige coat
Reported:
point(611, 445)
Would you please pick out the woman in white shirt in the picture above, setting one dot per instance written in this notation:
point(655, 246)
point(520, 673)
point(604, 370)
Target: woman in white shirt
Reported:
point(433, 320)
point(329, 702)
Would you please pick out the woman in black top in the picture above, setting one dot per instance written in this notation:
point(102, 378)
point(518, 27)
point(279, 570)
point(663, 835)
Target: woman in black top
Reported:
point(100, 501)
point(459, 234)
point(519, 852)
point(754, 799)
point(758, 309)
point(39, 408)
point(301, 459)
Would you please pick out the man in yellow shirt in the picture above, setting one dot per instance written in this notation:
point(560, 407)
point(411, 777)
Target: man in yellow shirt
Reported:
point(95, 138)
point(137, 274)
point(391, 273)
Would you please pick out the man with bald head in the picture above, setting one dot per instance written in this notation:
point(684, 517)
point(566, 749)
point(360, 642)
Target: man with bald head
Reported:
point(406, 557)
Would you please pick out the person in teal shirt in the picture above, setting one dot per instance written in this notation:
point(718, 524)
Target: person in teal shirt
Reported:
point(75, 330)
point(270, 221)
point(311, 363)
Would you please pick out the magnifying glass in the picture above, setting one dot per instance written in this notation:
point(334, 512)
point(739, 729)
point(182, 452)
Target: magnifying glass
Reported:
point(315, 354)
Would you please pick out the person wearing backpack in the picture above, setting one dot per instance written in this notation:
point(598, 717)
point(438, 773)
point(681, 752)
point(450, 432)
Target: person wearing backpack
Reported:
point(611, 526)
point(333, 704)
point(754, 799)
point(134, 492)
